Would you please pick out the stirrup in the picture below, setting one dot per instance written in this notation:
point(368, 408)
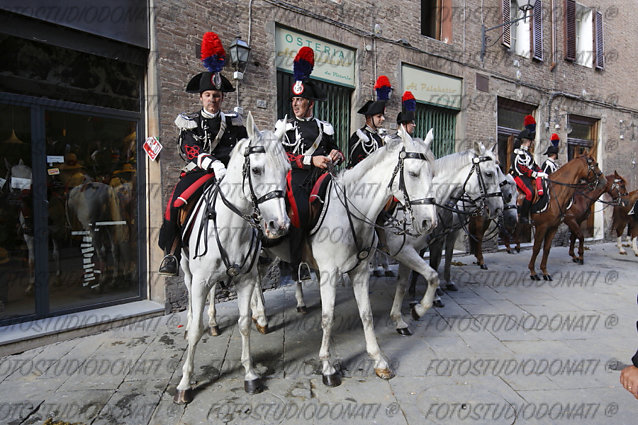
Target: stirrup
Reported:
point(303, 276)
point(169, 266)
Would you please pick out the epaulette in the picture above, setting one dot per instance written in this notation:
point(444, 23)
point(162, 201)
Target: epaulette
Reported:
point(327, 128)
point(186, 121)
point(235, 119)
point(362, 136)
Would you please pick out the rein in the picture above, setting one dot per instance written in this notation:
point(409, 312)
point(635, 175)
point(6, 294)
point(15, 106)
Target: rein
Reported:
point(253, 219)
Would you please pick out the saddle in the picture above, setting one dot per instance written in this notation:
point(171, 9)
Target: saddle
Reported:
point(188, 210)
point(539, 203)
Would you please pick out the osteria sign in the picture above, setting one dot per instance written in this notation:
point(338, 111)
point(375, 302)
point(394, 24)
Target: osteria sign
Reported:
point(333, 63)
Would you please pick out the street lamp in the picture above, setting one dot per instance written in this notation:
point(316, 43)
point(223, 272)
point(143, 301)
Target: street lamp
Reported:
point(239, 54)
point(524, 5)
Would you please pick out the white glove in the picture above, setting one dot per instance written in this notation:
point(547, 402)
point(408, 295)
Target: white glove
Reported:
point(542, 175)
point(219, 169)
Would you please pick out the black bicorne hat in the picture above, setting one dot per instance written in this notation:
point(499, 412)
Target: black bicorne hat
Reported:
point(526, 134)
point(209, 81)
point(551, 150)
point(373, 108)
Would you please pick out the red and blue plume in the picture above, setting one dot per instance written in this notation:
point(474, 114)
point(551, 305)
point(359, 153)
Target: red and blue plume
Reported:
point(554, 139)
point(213, 54)
point(303, 64)
point(530, 123)
point(383, 88)
point(408, 101)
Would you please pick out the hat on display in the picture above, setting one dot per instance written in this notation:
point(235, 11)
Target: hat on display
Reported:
point(383, 89)
point(302, 68)
point(408, 109)
point(213, 58)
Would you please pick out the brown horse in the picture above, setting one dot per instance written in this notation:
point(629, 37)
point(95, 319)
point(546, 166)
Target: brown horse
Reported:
point(581, 207)
point(561, 187)
point(622, 219)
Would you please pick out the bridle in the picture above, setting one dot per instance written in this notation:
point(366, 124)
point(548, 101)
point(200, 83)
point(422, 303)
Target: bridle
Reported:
point(253, 219)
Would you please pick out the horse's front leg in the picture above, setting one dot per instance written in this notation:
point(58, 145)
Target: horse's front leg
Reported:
point(258, 308)
point(547, 246)
point(432, 278)
point(328, 293)
point(360, 283)
point(245, 287)
point(449, 253)
point(539, 236)
point(395, 313)
point(213, 328)
point(198, 293)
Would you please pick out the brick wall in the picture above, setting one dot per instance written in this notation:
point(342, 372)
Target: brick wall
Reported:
point(609, 95)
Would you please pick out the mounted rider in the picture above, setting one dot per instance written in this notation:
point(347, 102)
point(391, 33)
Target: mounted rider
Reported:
point(369, 138)
point(406, 118)
point(206, 140)
point(309, 143)
point(525, 169)
point(550, 164)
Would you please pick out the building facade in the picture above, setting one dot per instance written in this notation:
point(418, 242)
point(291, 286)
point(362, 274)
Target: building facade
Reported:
point(568, 64)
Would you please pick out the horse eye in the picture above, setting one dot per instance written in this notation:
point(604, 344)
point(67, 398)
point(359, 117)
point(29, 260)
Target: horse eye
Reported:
point(257, 171)
point(413, 174)
point(489, 175)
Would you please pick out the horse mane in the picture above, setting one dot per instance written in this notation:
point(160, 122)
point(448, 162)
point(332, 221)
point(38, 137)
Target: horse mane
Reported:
point(356, 172)
point(272, 145)
point(452, 161)
point(562, 170)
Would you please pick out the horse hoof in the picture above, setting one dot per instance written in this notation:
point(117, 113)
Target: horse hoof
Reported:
point(377, 273)
point(389, 273)
point(253, 387)
point(183, 396)
point(413, 312)
point(333, 380)
point(622, 253)
point(262, 329)
point(384, 373)
point(575, 260)
point(404, 331)
point(518, 249)
point(214, 331)
point(451, 287)
point(547, 277)
point(483, 267)
point(535, 277)
point(438, 304)
point(302, 310)
point(581, 261)
point(439, 292)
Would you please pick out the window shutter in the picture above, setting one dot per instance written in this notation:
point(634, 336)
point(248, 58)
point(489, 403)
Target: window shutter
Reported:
point(505, 6)
point(537, 31)
point(570, 30)
point(598, 41)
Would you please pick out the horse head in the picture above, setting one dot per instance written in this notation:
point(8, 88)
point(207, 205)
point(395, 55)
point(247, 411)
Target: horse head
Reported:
point(264, 167)
point(616, 186)
point(411, 183)
point(591, 174)
point(484, 184)
point(509, 192)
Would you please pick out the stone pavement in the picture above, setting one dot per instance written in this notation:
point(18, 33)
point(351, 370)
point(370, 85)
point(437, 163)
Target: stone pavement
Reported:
point(503, 350)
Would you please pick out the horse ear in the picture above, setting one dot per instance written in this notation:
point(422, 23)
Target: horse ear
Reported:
point(616, 174)
point(479, 148)
point(491, 149)
point(429, 138)
point(251, 128)
point(280, 128)
point(405, 138)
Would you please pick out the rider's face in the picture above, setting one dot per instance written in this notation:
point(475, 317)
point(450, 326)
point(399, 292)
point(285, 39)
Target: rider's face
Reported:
point(211, 100)
point(377, 120)
point(301, 107)
point(409, 127)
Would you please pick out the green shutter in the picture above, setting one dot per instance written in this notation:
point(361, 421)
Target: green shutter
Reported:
point(443, 121)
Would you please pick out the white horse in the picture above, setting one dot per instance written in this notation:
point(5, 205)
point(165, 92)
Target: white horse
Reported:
point(225, 239)
point(470, 176)
point(459, 221)
point(402, 168)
